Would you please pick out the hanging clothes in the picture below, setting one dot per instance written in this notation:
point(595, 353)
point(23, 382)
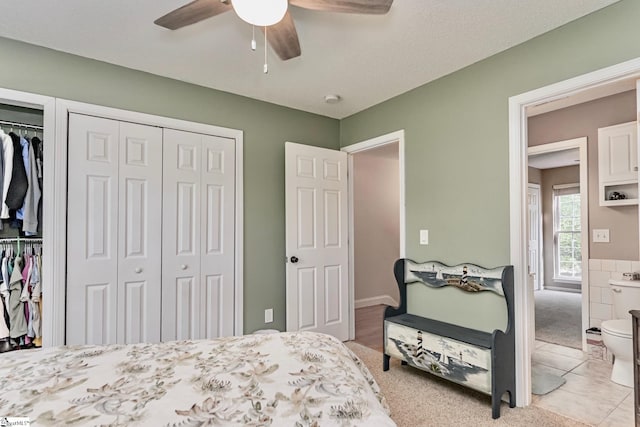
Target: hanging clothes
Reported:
point(39, 155)
point(7, 156)
point(22, 325)
point(18, 323)
point(18, 185)
point(29, 211)
point(36, 301)
point(2, 138)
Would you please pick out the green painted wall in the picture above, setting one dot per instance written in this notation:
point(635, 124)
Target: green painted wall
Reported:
point(456, 138)
point(456, 133)
point(266, 128)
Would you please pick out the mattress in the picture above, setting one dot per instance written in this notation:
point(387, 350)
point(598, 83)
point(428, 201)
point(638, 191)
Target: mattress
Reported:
point(283, 379)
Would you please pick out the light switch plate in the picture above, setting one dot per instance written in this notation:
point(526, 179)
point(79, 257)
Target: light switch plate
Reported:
point(424, 237)
point(268, 315)
point(601, 235)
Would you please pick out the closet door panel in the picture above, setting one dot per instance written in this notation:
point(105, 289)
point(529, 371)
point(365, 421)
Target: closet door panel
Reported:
point(215, 310)
point(181, 293)
point(186, 313)
point(218, 195)
point(139, 234)
point(135, 312)
point(92, 232)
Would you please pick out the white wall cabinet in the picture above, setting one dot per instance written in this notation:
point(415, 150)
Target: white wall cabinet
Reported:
point(150, 244)
point(618, 164)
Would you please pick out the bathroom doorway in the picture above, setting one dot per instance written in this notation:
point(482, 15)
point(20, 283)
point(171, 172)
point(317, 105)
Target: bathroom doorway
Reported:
point(587, 394)
point(556, 275)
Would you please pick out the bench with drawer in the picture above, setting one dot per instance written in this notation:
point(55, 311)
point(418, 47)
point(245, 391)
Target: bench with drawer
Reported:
point(482, 359)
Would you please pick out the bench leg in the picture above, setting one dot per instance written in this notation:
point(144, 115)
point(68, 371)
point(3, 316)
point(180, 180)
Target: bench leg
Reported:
point(512, 400)
point(385, 362)
point(495, 406)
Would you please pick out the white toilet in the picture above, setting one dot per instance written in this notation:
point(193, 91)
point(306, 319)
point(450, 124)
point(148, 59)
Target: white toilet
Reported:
point(616, 333)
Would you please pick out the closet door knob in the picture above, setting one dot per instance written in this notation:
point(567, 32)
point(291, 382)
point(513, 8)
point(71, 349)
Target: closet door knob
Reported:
point(183, 266)
point(138, 270)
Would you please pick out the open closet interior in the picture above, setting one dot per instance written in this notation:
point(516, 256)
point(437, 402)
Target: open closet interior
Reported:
point(21, 184)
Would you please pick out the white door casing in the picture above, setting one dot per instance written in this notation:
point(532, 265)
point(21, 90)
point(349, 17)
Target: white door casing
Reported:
point(198, 244)
point(518, 105)
point(113, 288)
point(316, 240)
point(535, 233)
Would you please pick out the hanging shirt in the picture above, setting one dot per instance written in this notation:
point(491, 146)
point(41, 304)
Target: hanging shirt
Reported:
point(32, 198)
point(18, 184)
point(7, 152)
point(25, 159)
point(2, 136)
point(17, 320)
point(4, 286)
point(4, 328)
point(39, 156)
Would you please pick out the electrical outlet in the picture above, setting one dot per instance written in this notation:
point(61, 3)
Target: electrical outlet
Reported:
point(268, 315)
point(601, 235)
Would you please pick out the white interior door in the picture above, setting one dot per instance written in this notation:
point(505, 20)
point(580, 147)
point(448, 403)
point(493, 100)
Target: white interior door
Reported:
point(316, 240)
point(534, 235)
point(198, 244)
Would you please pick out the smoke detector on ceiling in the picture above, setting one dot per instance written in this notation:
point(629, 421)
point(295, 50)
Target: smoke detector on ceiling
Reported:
point(332, 99)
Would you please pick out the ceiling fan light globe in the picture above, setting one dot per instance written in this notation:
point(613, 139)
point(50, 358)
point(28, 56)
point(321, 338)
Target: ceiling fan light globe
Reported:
point(261, 13)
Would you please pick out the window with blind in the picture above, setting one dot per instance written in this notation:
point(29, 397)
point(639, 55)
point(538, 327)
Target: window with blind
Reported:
point(566, 232)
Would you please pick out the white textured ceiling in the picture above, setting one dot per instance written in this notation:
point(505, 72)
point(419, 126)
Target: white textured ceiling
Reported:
point(364, 59)
point(557, 159)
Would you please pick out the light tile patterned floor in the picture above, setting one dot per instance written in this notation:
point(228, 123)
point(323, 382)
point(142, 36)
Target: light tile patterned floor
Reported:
point(588, 395)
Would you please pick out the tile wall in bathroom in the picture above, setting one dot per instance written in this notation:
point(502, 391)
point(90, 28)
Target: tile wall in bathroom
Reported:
point(600, 271)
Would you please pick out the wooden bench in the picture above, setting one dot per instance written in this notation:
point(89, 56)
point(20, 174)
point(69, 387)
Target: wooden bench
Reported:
point(479, 358)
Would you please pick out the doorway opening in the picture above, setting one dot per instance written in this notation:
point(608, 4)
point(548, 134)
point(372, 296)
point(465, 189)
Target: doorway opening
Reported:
point(376, 211)
point(559, 271)
point(519, 108)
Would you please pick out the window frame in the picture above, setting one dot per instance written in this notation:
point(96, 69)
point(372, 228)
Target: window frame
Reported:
point(558, 191)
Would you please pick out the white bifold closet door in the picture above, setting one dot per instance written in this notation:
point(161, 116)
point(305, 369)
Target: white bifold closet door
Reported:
point(198, 236)
point(114, 231)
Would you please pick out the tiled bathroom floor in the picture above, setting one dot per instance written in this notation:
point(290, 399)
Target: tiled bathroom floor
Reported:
point(588, 395)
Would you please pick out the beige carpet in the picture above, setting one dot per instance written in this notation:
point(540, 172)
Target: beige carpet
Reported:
point(420, 399)
point(559, 318)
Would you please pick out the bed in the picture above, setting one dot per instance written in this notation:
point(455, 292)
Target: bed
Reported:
point(283, 379)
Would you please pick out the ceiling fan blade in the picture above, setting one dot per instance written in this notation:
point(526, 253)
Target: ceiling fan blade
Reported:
point(371, 7)
point(193, 12)
point(283, 38)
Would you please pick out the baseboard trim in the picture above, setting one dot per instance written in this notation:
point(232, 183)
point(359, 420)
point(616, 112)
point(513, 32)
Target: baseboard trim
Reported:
point(368, 302)
point(563, 289)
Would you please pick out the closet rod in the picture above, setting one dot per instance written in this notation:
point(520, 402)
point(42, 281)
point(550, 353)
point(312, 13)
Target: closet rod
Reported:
point(22, 240)
point(21, 125)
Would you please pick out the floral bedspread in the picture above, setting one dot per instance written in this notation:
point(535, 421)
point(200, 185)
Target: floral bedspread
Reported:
point(285, 379)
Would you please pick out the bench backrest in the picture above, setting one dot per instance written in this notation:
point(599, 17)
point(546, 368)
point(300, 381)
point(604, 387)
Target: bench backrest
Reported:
point(465, 294)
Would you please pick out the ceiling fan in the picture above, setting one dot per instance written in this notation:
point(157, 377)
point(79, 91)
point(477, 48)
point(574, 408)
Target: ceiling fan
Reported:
point(281, 29)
